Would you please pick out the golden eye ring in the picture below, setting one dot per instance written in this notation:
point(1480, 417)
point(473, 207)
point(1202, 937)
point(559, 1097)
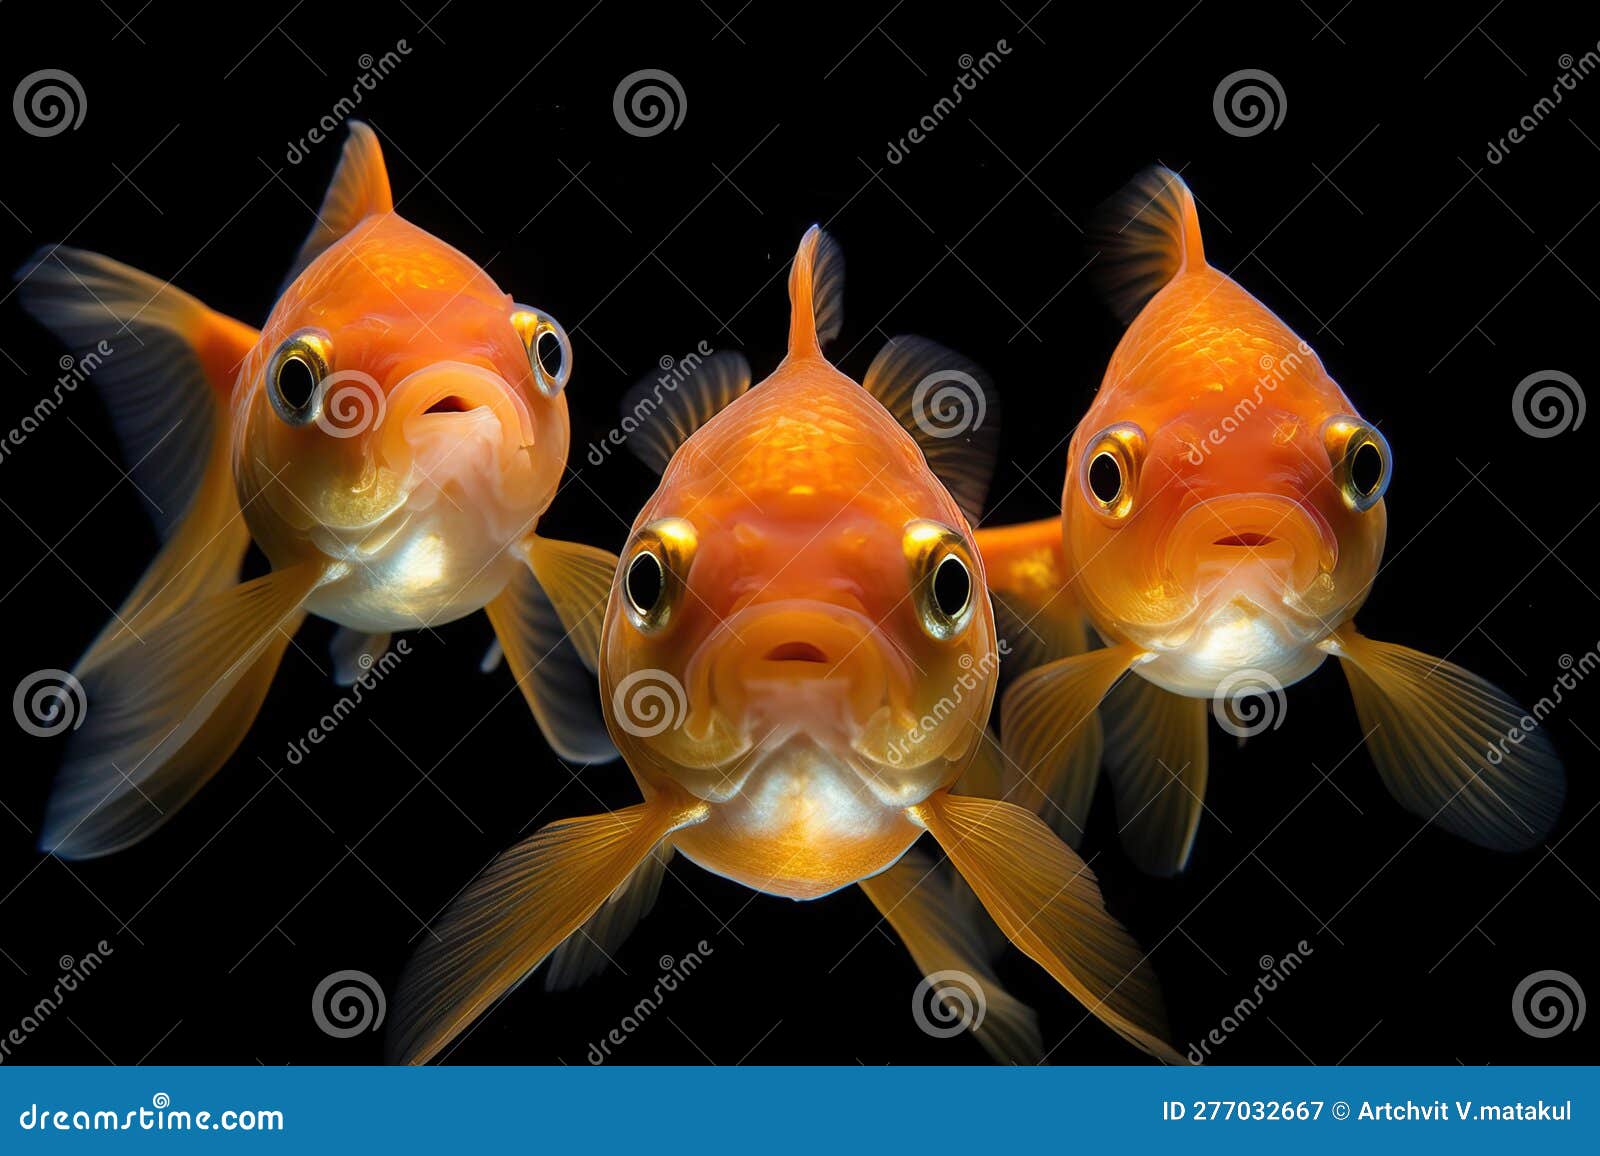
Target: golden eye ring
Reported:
point(944, 584)
point(295, 374)
point(535, 326)
point(1108, 471)
point(655, 577)
point(1362, 463)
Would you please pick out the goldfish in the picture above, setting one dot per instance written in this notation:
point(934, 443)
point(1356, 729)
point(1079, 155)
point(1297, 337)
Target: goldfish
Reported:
point(389, 438)
point(1222, 523)
point(797, 662)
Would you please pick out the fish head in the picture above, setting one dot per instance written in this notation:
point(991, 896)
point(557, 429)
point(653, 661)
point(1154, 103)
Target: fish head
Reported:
point(402, 417)
point(1229, 525)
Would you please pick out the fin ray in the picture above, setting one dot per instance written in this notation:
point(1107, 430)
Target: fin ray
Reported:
point(667, 417)
point(1156, 759)
point(1146, 235)
point(360, 188)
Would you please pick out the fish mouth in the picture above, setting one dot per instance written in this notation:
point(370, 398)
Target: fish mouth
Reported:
point(439, 406)
point(1265, 546)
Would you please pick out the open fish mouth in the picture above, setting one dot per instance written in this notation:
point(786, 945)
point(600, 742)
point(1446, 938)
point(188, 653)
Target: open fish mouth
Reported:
point(1265, 547)
point(435, 410)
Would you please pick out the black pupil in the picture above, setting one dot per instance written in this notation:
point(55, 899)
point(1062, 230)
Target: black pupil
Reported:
point(951, 587)
point(297, 381)
point(547, 348)
point(1105, 478)
point(645, 582)
point(1366, 469)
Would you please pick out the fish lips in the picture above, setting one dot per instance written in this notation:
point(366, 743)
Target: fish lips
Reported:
point(1257, 544)
point(453, 400)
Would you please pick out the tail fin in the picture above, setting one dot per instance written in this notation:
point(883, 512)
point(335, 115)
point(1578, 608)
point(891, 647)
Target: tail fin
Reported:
point(816, 294)
point(1146, 235)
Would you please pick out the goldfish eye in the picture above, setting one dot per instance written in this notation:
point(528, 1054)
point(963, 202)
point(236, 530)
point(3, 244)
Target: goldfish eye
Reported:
point(295, 374)
point(656, 576)
point(545, 341)
point(1108, 472)
point(1361, 461)
point(941, 578)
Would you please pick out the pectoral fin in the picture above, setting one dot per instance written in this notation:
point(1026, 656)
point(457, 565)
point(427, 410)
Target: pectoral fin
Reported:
point(165, 712)
point(1442, 739)
point(1048, 903)
point(919, 904)
point(353, 653)
point(1050, 728)
point(559, 688)
point(577, 580)
point(589, 950)
point(515, 914)
point(1155, 757)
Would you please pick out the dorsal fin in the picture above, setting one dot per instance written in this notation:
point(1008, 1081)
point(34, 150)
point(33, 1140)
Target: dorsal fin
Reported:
point(1146, 235)
point(665, 409)
point(816, 293)
point(360, 188)
point(948, 404)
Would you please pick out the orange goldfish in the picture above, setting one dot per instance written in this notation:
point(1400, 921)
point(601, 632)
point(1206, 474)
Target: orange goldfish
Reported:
point(797, 663)
point(389, 438)
point(1222, 523)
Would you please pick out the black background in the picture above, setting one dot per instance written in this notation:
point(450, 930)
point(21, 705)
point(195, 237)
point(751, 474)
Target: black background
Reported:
point(1430, 281)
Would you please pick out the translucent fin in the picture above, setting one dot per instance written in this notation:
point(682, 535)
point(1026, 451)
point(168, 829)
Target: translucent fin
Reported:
point(667, 415)
point(1441, 737)
point(1048, 902)
point(917, 902)
point(816, 294)
point(589, 950)
point(577, 580)
point(515, 914)
point(1156, 760)
point(949, 405)
point(559, 689)
point(1146, 235)
point(1050, 728)
point(494, 654)
point(165, 712)
point(353, 653)
point(360, 188)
